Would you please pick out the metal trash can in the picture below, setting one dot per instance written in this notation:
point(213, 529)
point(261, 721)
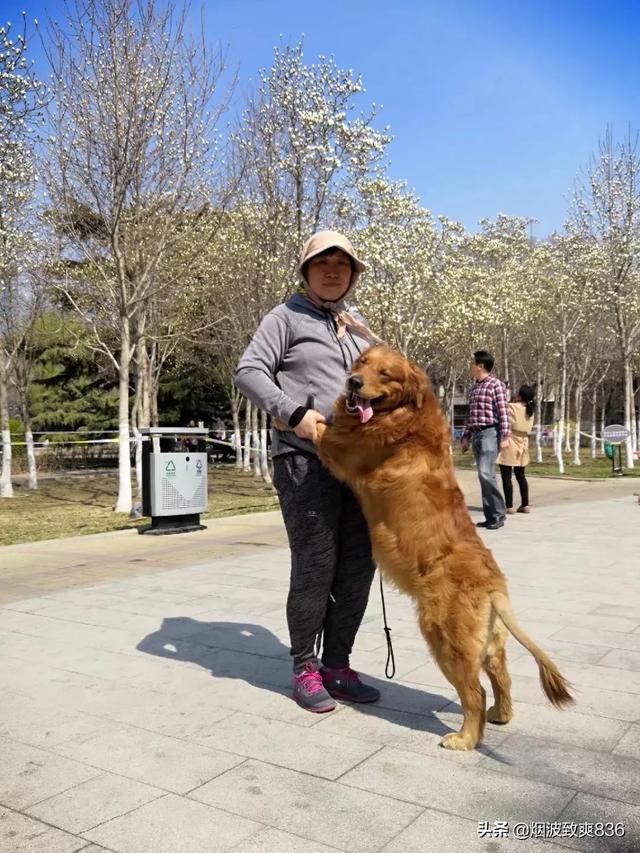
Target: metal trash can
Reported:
point(174, 479)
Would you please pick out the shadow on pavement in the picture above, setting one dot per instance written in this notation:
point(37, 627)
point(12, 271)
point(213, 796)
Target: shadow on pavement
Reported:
point(252, 653)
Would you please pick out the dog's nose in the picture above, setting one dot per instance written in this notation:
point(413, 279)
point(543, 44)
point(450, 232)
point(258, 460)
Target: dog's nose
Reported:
point(355, 383)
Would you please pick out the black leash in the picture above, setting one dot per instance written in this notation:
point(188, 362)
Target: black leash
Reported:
point(391, 661)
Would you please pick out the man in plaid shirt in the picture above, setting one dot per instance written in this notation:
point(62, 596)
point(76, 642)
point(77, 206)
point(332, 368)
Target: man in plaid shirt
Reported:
point(487, 428)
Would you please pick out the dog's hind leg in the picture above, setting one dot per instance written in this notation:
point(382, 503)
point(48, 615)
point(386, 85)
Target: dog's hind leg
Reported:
point(495, 665)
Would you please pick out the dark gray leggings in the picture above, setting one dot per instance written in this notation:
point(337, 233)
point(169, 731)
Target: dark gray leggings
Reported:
point(331, 563)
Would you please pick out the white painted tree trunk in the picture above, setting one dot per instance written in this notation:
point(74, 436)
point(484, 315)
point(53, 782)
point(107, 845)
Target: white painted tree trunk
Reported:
point(634, 421)
point(237, 437)
point(578, 410)
point(594, 423)
point(567, 418)
point(246, 451)
point(539, 395)
point(264, 458)
point(563, 404)
point(138, 437)
point(236, 403)
point(603, 417)
point(32, 468)
point(255, 442)
point(123, 503)
point(6, 484)
point(628, 405)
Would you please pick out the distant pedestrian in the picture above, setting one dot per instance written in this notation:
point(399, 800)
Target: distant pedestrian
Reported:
point(514, 458)
point(487, 428)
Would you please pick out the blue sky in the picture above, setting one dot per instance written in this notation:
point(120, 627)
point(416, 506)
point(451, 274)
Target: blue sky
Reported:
point(494, 106)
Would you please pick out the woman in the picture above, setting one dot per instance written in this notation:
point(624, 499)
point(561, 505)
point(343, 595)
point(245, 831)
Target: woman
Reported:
point(515, 457)
point(294, 368)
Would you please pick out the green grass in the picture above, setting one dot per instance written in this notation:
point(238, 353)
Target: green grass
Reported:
point(81, 504)
point(590, 469)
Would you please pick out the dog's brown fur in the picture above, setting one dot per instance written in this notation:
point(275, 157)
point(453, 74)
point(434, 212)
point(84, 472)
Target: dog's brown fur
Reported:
point(400, 468)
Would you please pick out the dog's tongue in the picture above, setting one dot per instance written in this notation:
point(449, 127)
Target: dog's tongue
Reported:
point(365, 410)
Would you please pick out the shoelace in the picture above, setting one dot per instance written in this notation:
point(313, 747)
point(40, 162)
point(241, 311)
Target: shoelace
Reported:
point(310, 680)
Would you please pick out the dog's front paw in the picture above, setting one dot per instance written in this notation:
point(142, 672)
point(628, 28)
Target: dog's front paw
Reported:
point(456, 740)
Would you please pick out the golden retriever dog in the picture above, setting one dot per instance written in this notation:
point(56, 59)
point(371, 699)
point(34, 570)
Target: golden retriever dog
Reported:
point(388, 440)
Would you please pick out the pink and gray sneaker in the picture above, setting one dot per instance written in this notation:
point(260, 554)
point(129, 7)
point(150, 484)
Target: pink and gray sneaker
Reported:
point(309, 692)
point(346, 684)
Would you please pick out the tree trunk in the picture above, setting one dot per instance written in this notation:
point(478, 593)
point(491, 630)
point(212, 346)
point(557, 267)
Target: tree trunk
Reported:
point(236, 402)
point(264, 459)
point(634, 420)
point(6, 484)
point(594, 425)
point(567, 419)
point(563, 403)
point(255, 442)
point(628, 405)
point(246, 454)
point(32, 470)
point(578, 427)
point(539, 401)
point(505, 357)
point(123, 503)
point(603, 418)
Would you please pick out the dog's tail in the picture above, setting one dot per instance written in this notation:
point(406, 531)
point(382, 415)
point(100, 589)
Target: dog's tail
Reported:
point(554, 684)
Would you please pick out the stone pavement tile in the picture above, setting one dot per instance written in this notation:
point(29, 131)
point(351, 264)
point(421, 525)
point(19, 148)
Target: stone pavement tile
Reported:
point(93, 802)
point(586, 770)
point(564, 616)
point(439, 832)
point(239, 636)
point(416, 733)
point(21, 834)
point(230, 694)
point(630, 611)
point(276, 841)
point(629, 745)
point(411, 697)
point(623, 659)
point(173, 825)
point(463, 791)
point(166, 762)
point(373, 663)
point(600, 636)
point(94, 848)
point(561, 650)
point(309, 750)
point(313, 808)
point(252, 668)
point(614, 704)
point(588, 809)
point(567, 727)
point(28, 775)
point(42, 723)
point(186, 716)
point(586, 675)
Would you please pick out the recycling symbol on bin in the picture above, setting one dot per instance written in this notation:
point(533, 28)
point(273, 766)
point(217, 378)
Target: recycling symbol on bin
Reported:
point(170, 468)
point(199, 466)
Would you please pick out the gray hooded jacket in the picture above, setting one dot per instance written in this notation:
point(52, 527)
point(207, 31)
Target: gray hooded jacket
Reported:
point(296, 355)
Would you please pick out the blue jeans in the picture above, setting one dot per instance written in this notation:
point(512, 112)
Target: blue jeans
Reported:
point(485, 451)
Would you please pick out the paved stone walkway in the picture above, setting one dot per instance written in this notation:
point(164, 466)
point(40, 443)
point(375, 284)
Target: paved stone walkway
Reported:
point(145, 707)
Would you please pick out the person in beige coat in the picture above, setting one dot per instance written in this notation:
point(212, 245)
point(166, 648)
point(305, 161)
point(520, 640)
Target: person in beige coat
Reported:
point(515, 457)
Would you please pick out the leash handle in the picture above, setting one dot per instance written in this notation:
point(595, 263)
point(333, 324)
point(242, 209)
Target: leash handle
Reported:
point(390, 665)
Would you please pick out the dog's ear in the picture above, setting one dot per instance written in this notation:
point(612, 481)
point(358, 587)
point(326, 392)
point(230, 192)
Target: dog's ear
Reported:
point(417, 385)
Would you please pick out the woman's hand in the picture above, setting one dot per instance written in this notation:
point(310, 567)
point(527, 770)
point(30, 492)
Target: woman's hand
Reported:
point(504, 444)
point(308, 426)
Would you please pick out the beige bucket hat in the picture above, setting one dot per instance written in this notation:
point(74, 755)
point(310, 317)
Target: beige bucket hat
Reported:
point(323, 240)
